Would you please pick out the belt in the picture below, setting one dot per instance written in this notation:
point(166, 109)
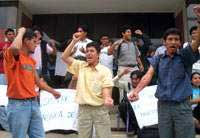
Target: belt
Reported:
point(135, 65)
point(32, 99)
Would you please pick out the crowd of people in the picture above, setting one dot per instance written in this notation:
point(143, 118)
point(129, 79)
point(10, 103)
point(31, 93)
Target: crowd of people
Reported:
point(93, 68)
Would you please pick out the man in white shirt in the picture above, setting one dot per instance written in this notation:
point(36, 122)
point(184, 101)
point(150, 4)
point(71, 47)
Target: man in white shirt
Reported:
point(80, 46)
point(41, 53)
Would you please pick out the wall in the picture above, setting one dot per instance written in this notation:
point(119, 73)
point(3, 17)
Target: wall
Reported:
point(8, 17)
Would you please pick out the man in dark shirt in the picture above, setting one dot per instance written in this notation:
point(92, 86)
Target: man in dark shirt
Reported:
point(174, 88)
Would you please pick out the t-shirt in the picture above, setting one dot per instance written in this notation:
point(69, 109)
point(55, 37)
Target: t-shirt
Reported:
point(105, 59)
point(20, 75)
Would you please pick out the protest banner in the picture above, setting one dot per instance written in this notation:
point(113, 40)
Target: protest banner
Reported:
point(145, 108)
point(59, 114)
point(3, 97)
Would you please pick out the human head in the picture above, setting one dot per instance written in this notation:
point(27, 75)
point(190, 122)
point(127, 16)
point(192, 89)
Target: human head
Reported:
point(195, 79)
point(136, 77)
point(126, 32)
point(193, 32)
point(29, 41)
point(104, 40)
point(83, 30)
point(172, 40)
point(10, 34)
point(92, 53)
point(38, 33)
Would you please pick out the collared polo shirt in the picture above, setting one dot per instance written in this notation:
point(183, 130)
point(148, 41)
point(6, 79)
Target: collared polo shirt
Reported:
point(90, 82)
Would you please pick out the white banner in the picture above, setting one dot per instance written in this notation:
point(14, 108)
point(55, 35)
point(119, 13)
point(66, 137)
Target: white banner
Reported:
point(59, 113)
point(61, 66)
point(3, 97)
point(56, 113)
point(146, 107)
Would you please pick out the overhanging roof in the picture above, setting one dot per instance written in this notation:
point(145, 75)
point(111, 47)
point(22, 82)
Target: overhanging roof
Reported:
point(100, 6)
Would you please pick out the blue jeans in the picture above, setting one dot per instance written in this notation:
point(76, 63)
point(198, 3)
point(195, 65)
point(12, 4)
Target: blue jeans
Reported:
point(4, 118)
point(3, 79)
point(175, 120)
point(24, 117)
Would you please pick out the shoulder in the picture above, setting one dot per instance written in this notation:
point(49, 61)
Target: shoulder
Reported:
point(103, 68)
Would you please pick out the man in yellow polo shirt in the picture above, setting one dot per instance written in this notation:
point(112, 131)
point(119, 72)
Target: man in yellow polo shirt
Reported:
point(94, 88)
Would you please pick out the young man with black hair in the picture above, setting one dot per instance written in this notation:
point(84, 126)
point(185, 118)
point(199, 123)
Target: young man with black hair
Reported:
point(41, 54)
point(126, 55)
point(125, 109)
point(24, 115)
point(94, 87)
point(174, 87)
point(80, 46)
point(9, 37)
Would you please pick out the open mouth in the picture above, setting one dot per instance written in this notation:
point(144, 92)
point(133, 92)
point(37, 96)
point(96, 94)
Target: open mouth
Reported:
point(172, 47)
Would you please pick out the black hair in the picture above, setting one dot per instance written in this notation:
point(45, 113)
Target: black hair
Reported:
point(194, 73)
point(138, 73)
point(171, 31)
point(95, 45)
point(83, 27)
point(37, 28)
point(29, 34)
point(9, 30)
point(124, 28)
point(193, 28)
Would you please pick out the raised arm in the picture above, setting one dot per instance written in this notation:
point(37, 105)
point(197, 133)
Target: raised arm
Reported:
point(67, 56)
point(133, 96)
point(17, 43)
point(195, 44)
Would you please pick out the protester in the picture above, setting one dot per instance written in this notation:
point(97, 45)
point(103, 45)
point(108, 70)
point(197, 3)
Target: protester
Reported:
point(94, 88)
point(106, 54)
point(9, 37)
point(174, 89)
point(24, 115)
point(126, 55)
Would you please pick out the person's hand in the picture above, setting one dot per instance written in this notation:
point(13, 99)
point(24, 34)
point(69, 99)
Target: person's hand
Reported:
point(22, 30)
point(76, 36)
point(56, 94)
point(133, 96)
point(139, 32)
point(196, 10)
point(126, 71)
point(108, 102)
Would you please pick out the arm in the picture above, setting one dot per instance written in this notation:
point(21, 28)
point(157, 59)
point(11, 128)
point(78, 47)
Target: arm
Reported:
point(195, 101)
point(118, 76)
point(140, 64)
point(17, 43)
point(66, 56)
point(43, 85)
point(73, 82)
point(146, 79)
point(195, 44)
point(107, 96)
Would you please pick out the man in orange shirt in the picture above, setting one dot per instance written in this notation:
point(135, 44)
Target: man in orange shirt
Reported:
point(24, 115)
